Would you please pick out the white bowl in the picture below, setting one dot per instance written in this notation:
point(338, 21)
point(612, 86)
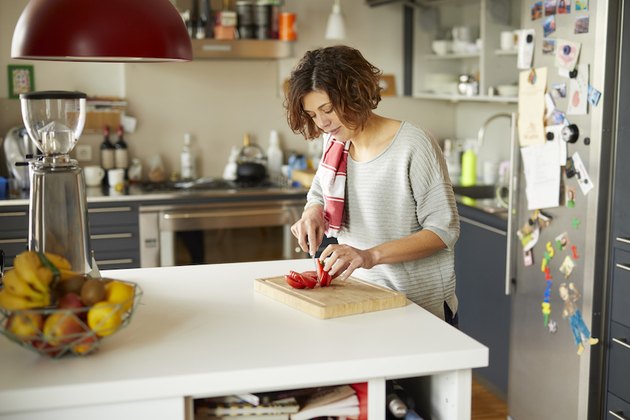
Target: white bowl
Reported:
point(442, 46)
point(507, 90)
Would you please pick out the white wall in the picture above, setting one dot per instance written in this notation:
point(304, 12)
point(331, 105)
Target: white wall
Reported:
point(219, 100)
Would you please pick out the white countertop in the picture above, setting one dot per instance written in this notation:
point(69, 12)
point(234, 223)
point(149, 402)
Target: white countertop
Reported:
point(204, 331)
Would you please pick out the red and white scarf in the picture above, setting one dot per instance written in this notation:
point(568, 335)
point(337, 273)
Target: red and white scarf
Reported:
point(332, 172)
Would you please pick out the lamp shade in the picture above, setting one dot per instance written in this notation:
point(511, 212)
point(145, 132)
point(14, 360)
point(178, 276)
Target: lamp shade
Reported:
point(101, 30)
point(336, 28)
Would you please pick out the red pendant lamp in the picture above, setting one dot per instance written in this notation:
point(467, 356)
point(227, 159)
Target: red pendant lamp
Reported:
point(101, 30)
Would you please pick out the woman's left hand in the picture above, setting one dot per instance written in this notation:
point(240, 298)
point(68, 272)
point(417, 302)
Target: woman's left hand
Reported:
point(342, 260)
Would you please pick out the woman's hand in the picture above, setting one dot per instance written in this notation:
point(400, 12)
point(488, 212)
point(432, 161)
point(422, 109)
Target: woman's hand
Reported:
point(309, 230)
point(342, 260)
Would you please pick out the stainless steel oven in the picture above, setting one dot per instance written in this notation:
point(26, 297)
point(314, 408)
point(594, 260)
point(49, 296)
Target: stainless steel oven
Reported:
point(218, 232)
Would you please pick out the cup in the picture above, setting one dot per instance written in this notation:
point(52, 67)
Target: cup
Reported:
point(116, 178)
point(93, 175)
point(462, 33)
point(507, 40)
point(490, 172)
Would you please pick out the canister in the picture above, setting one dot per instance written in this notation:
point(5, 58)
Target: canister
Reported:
point(287, 30)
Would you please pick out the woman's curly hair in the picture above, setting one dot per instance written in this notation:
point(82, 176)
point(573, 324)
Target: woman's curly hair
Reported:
point(349, 80)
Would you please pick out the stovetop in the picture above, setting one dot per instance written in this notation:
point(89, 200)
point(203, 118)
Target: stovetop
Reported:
point(208, 184)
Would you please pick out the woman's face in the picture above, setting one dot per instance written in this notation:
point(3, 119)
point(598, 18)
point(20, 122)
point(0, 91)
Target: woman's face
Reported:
point(318, 106)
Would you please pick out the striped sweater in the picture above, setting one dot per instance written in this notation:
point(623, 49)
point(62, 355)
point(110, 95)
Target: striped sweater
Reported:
point(403, 190)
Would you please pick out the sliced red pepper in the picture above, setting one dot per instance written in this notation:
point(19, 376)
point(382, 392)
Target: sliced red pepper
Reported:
point(309, 278)
point(293, 283)
point(323, 276)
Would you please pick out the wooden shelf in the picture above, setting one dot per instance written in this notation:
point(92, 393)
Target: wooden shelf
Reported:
point(452, 56)
point(462, 98)
point(241, 49)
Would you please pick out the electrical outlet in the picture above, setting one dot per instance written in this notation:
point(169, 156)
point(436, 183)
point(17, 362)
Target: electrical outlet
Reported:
point(84, 152)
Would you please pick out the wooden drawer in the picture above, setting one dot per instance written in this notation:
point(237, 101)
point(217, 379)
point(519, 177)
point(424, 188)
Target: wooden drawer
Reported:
point(616, 408)
point(621, 288)
point(619, 361)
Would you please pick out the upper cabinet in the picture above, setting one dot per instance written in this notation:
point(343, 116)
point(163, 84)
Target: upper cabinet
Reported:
point(458, 54)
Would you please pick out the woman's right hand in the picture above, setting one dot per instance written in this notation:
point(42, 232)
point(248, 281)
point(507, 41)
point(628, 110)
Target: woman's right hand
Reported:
point(309, 230)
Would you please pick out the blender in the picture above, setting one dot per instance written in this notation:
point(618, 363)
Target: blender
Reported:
point(54, 121)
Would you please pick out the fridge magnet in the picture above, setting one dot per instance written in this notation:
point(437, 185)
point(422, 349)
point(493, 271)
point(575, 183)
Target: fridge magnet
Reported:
point(581, 5)
point(552, 326)
point(549, 46)
point(546, 303)
point(567, 266)
point(581, 25)
point(537, 10)
point(578, 92)
point(556, 117)
point(549, 25)
point(575, 222)
point(21, 80)
point(570, 295)
point(594, 95)
point(564, 7)
point(569, 197)
point(550, 7)
point(528, 258)
point(584, 181)
point(562, 241)
point(567, 53)
point(559, 90)
point(574, 252)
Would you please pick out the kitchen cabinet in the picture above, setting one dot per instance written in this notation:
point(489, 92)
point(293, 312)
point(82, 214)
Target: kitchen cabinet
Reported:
point(241, 49)
point(113, 233)
point(436, 76)
point(484, 309)
point(202, 331)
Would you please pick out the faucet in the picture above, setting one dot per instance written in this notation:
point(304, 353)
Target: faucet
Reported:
point(482, 131)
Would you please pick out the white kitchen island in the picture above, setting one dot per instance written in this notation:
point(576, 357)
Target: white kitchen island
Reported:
point(202, 331)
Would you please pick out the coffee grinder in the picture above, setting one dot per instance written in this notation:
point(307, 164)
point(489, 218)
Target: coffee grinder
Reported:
point(54, 121)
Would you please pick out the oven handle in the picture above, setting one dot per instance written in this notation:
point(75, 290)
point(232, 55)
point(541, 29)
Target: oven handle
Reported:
point(218, 213)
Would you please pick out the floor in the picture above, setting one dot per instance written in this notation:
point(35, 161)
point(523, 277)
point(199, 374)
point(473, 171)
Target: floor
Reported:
point(486, 405)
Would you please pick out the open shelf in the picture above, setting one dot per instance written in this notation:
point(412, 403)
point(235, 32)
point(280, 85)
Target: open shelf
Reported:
point(241, 49)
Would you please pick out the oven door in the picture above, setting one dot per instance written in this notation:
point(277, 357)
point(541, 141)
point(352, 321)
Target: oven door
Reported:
point(213, 233)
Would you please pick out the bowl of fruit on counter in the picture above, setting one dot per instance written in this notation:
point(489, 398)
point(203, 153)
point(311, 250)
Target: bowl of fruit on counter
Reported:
point(48, 308)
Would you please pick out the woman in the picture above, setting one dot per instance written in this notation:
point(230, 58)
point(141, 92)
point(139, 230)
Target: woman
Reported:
point(382, 187)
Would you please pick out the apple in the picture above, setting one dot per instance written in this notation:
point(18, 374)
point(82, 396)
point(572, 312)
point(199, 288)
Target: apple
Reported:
point(86, 345)
point(63, 327)
point(104, 318)
point(26, 325)
point(72, 301)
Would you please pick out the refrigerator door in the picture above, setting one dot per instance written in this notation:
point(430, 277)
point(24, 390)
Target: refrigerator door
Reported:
point(547, 378)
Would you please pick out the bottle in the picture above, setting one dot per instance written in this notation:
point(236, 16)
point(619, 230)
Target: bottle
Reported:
point(107, 153)
point(135, 171)
point(187, 160)
point(121, 153)
point(452, 158)
point(396, 400)
point(275, 156)
point(230, 171)
point(469, 166)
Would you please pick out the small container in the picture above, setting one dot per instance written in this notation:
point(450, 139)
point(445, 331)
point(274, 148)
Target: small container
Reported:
point(286, 27)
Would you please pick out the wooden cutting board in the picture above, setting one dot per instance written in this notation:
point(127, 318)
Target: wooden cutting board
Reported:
point(342, 298)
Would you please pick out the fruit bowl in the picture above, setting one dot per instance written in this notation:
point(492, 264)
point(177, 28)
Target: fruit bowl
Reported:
point(71, 327)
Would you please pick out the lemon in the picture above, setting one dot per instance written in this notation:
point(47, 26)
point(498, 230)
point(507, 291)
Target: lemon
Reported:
point(121, 293)
point(104, 318)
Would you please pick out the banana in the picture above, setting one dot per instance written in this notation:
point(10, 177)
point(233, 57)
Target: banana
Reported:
point(27, 264)
point(19, 287)
point(58, 261)
point(13, 302)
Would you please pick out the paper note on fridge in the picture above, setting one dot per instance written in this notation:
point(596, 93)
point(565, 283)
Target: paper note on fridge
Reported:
point(578, 92)
point(541, 163)
point(531, 106)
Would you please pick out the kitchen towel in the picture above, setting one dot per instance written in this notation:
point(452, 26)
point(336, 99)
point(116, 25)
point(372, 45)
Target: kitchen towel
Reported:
point(332, 174)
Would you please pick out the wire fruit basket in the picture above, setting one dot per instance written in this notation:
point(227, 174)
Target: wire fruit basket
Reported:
point(57, 332)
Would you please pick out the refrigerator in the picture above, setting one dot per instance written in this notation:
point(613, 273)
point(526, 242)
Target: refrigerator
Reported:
point(563, 242)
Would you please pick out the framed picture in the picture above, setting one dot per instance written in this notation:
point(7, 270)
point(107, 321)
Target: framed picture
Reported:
point(21, 80)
